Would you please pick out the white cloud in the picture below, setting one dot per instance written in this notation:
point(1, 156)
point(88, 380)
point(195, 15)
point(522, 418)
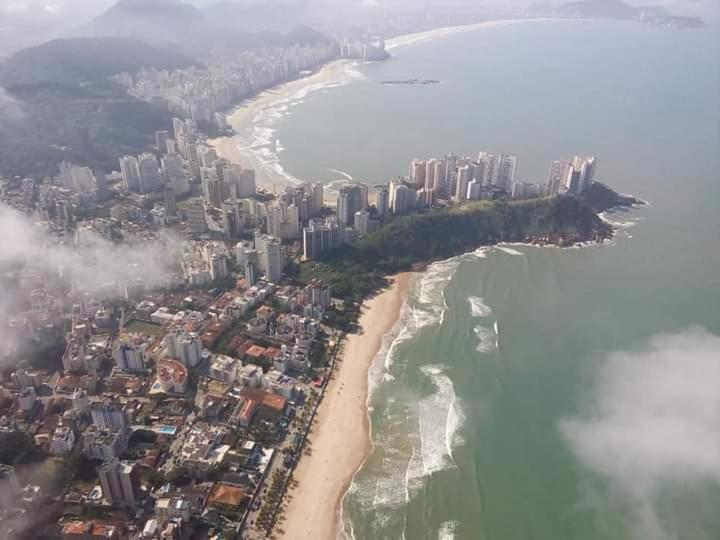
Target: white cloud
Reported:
point(10, 6)
point(96, 267)
point(653, 425)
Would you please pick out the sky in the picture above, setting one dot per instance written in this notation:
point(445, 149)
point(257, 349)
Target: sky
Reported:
point(93, 263)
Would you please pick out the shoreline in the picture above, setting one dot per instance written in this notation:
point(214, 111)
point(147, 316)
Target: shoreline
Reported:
point(260, 150)
point(324, 477)
point(436, 33)
point(237, 148)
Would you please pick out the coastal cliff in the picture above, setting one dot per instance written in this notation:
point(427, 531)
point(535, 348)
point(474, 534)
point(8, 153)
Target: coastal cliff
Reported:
point(409, 242)
point(601, 198)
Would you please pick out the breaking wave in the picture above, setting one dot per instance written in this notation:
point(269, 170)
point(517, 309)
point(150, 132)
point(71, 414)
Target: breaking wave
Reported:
point(478, 308)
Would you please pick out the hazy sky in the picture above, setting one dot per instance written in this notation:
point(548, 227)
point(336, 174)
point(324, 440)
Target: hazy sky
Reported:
point(28, 22)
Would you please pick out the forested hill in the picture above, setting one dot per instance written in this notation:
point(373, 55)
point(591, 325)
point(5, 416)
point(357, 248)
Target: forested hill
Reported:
point(59, 104)
point(408, 241)
point(77, 60)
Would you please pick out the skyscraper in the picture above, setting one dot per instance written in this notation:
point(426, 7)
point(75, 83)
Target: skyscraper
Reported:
point(101, 182)
point(274, 260)
point(161, 139)
point(557, 175)
point(196, 218)
point(149, 173)
point(120, 483)
point(402, 198)
point(170, 200)
point(505, 171)
point(573, 180)
point(172, 167)
point(586, 166)
point(130, 173)
point(382, 201)
point(488, 162)
point(432, 173)
point(109, 415)
point(351, 198)
point(321, 237)
point(465, 175)
point(417, 172)
point(129, 354)
point(362, 219)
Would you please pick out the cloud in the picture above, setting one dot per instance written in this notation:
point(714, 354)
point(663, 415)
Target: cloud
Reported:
point(94, 268)
point(652, 427)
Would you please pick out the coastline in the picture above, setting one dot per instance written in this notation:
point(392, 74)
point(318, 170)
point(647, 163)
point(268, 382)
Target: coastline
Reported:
point(341, 439)
point(258, 154)
point(428, 35)
point(255, 146)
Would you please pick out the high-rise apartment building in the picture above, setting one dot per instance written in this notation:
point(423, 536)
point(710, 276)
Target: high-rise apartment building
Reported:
point(464, 176)
point(195, 213)
point(402, 198)
point(120, 483)
point(130, 173)
point(149, 173)
point(382, 201)
point(321, 237)
point(557, 175)
point(416, 172)
point(505, 171)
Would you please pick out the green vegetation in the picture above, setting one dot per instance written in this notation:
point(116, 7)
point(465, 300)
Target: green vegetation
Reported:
point(602, 198)
point(146, 328)
point(266, 515)
point(17, 447)
point(92, 125)
point(73, 61)
point(60, 105)
point(406, 242)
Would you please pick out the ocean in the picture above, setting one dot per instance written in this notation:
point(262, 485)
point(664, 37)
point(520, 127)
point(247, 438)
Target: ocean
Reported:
point(540, 393)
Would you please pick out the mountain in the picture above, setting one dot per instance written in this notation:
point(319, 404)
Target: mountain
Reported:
point(92, 124)
point(156, 21)
point(60, 104)
point(72, 61)
point(598, 9)
point(196, 31)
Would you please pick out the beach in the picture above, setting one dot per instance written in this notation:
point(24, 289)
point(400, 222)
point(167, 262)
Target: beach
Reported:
point(428, 35)
point(254, 146)
point(340, 441)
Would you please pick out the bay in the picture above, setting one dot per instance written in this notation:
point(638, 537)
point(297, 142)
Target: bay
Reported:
point(468, 411)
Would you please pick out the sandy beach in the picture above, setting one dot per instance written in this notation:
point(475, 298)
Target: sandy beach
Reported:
point(340, 440)
point(255, 146)
point(419, 37)
point(237, 149)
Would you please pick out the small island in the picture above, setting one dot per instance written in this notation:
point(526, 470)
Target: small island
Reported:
point(411, 82)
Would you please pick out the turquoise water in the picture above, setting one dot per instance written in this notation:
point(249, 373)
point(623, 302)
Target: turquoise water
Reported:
point(497, 403)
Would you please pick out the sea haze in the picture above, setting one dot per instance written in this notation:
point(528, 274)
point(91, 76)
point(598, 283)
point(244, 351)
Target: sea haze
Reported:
point(495, 399)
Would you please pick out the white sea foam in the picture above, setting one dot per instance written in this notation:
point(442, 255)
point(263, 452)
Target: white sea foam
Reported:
point(510, 251)
point(440, 417)
point(607, 218)
point(447, 530)
point(478, 307)
point(390, 484)
point(344, 174)
point(480, 253)
point(487, 339)
point(259, 145)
